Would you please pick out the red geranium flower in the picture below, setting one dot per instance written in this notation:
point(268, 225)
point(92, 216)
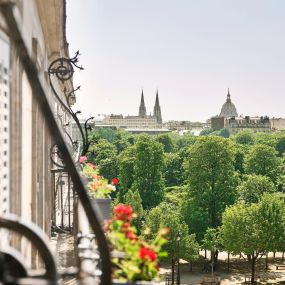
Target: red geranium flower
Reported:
point(123, 212)
point(115, 181)
point(130, 235)
point(146, 253)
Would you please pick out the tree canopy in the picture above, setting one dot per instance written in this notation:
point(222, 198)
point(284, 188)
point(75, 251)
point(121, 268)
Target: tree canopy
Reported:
point(211, 176)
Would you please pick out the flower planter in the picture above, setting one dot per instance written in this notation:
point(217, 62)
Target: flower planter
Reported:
point(104, 205)
point(118, 282)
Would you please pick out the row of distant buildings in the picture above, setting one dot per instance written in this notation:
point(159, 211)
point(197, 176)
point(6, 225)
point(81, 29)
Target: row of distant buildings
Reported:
point(153, 123)
point(229, 119)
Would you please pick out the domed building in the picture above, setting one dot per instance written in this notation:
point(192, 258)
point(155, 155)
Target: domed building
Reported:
point(228, 108)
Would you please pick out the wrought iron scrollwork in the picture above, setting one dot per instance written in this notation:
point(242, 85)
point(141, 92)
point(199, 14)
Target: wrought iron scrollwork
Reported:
point(63, 69)
point(56, 157)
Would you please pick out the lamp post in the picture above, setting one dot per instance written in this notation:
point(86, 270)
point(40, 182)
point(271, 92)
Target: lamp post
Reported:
point(178, 238)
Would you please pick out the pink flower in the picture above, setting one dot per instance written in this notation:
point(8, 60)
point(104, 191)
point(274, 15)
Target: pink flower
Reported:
point(82, 159)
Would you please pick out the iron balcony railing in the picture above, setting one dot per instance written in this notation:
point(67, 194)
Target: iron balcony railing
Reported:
point(91, 213)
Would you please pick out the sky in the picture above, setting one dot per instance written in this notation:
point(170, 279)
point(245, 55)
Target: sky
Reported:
point(192, 51)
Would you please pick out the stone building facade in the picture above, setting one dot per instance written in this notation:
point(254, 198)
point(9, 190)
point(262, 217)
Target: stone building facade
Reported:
point(142, 121)
point(26, 180)
point(277, 124)
point(255, 124)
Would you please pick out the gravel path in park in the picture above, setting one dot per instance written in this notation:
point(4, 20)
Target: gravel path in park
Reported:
point(236, 274)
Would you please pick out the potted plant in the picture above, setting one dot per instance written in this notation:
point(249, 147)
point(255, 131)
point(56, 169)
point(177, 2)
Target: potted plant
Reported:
point(135, 260)
point(98, 188)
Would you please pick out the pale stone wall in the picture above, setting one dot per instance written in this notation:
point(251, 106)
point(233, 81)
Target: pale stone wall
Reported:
point(29, 178)
point(277, 124)
point(132, 122)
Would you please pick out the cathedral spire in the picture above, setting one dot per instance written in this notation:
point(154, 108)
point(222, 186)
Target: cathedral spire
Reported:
point(229, 95)
point(156, 99)
point(142, 109)
point(157, 110)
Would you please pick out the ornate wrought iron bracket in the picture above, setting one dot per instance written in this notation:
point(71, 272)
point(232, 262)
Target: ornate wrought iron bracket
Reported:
point(63, 69)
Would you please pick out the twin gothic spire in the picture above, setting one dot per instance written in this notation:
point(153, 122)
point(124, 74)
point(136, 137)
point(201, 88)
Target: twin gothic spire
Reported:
point(156, 109)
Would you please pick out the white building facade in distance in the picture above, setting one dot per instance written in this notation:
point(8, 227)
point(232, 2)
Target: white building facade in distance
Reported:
point(142, 121)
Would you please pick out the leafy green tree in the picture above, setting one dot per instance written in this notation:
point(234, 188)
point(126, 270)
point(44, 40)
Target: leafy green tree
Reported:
point(166, 141)
point(244, 137)
point(104, 133)
point(262, 160)
point(253, 187)
point(108, 167)
point(221, 133)
point(184, 140)
point(167, 216)
point(254, 229)
point(224, 133)
point(212, 242)
point(101, 150)
point(176, 195)
point(280, 144)
point(281, 183)
point(240, 152)
point(121, 141)
point(126, 171)
point(211, 176)
point(265, 139)
point(196, 217)
point(133, 198)
point(148, 169)
point(174, 169)
point(206, 131)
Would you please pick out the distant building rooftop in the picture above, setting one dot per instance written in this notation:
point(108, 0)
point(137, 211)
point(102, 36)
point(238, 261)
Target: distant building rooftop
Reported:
point(148, 131)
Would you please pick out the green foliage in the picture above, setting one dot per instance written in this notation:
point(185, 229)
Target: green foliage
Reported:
point(211, 176)
point(122, 140)
point(265, 139)
point(102, 150)
point(108, 167)
point(166, 215)
point(166, 141)
point(126, 171)
point(174, 169)
point(244, 137)
point(280, 144)
point(211, 240)
point(253, 187)
point(196, 218)
point(254, 228)
point(221, 133)
point(133, 199)
point(176, 195)
point(104, 133)
point(240, 153)
point(185, 140)
point(262, 160)
point(257, 227)
point(148, 168)
point(206, 131)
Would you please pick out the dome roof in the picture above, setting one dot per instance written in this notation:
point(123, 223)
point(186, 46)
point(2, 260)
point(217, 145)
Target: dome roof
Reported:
point(228, 108)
